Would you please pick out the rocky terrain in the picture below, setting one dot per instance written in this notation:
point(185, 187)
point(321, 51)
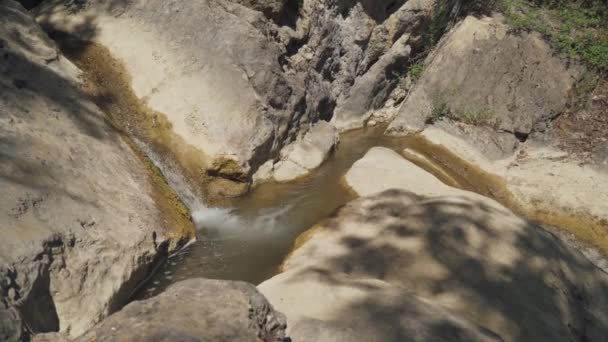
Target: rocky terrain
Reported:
point(70, 185)
point(268, 83)
point(470, 256)
point(120, 118)
point(192, 310)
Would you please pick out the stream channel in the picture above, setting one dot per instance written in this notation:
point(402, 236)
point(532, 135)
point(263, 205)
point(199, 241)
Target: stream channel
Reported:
point(249, 239)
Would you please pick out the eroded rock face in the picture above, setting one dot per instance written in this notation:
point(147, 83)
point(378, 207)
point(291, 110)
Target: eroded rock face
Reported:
point(196, 310)
point(482, 73)
point(271, 8)
point(355, 53)
point(470, 256)
point(82, 219)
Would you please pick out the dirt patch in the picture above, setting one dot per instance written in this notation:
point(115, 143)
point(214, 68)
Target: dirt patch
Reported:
point(583, 132)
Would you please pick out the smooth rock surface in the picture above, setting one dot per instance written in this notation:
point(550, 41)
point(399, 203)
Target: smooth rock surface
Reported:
point(211, 67)
point(80, 221)
point(382, 169)
point(475, 259)
point(482, 73)
point(336, 307)
point(195, 310)
point(307, 153)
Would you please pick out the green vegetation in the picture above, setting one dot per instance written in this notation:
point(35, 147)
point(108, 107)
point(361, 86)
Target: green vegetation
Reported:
point(416, 70)
point(476, 116)
point(586, 84)
point(440, 110)
point(576, 28)
point(470, 115)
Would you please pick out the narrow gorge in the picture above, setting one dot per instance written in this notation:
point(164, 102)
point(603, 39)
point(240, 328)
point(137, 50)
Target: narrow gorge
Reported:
point(303, 170)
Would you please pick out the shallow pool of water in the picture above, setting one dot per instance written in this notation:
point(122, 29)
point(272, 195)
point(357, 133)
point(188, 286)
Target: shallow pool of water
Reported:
point(249, 239)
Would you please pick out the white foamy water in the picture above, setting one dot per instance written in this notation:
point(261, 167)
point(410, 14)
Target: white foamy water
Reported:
point(173, 177)
point(226, 223)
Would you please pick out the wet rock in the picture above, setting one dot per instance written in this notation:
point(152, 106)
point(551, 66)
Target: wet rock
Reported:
point(474, 259)
point(257, 91)
point(195, 310)
point(81, 222)
point(484, 74)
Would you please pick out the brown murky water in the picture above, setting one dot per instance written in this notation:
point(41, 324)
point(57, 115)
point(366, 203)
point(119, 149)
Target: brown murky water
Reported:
point(249, 239)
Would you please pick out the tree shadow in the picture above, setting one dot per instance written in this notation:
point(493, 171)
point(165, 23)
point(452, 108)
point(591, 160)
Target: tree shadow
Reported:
point(38, 84)
point(476, 259)
point(46, 117)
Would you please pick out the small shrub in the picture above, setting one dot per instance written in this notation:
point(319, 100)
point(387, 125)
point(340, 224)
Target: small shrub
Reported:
point(440, 110)
point(476, 116)
point(415, 71)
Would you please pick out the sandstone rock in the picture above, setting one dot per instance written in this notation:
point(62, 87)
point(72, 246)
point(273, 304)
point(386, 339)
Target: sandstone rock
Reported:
point(82, 219)
point(288, 170)
point(211, 67)
point(544, 182)
point(382, 169)
point(475, 259)
point(324, 306)
point(195, 310)
point(482, 73)
point(492, 144)
point(308, 153)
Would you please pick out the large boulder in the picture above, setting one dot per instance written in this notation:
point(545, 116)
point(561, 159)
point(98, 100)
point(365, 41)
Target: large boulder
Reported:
point(335, 307)
point(195, 310)
point(483, 73)
point(83, 217)
point(470, 256)
point(211, 68)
